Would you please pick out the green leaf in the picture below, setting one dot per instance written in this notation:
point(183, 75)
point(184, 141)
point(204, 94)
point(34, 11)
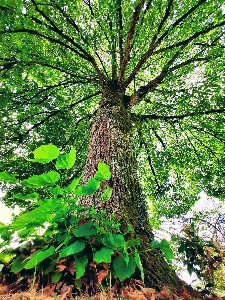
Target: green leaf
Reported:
point(6, 176)
point(89, 188)
point(56, 277)
point(18, 264)
point(88, 229)
point(131, 243)
point(74, 248)
point(154, 244)
point(39, 257)
point(66, 161)
point(30, 196)
point(106, 194)
point(73, 185)
point(50, 267)
point(165, 247)
point(122, 269)
point(36, 216)
point(55, 191)
point(47, 179)
point(114, 241)
point(80, 265)
point(103, 172)
point(139, 263)
point(45, 153)
point(190, 269)
point(103, 255)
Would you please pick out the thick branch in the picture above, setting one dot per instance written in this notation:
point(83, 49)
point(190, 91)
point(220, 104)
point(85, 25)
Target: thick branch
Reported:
point(130, 34)
point(143, 90)
point(120, 25)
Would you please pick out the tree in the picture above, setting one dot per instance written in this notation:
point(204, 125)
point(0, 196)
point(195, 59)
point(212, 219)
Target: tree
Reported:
point(145, 76)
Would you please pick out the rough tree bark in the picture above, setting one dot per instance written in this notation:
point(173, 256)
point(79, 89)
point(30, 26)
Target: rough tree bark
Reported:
point(111, 141)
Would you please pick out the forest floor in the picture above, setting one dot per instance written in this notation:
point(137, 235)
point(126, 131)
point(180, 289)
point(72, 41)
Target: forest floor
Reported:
point(125, 293)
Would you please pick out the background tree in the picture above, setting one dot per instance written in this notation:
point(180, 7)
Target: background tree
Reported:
point(145, 76)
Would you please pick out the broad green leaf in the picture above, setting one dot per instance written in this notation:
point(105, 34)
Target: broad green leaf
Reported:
point(106, 194)
point(55, 191)
point(45, 153)
point(122, 269)
point(80, 264)
point(103, 255)
point(36, 216)
point(114, 241)
point(47, 179)
point(139, 263)
point(74, 248)
point(66, 161)
point(18, 264)
point(6, 176)
point(131, 243)
point(88, 229)
point(89, 188)
point(38, 257)
point(73, 185)
point(165, 247)
point(103, 172)
point(30, 196)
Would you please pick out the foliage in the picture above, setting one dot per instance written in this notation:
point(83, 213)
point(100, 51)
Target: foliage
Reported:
point(165, 247)
point(70, 232)
point(168, 55)
point(202, 256)
point(56, 59)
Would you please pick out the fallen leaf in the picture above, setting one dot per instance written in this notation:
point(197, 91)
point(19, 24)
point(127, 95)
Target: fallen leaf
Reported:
point(164, 293)
point(60, 268)
point(184, 293)
point(101, 275)
point(3, 289)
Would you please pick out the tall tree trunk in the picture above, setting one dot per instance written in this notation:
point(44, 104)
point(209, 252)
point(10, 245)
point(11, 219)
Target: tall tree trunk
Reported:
point(111, 141)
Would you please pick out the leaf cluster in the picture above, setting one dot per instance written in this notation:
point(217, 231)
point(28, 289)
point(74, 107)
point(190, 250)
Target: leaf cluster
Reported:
point(57, 230)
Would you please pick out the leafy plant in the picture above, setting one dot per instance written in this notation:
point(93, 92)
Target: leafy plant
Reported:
point(70, 232)
point(164, 247)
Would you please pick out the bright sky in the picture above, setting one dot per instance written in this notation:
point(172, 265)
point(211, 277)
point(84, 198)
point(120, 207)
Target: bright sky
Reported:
point(6, 213)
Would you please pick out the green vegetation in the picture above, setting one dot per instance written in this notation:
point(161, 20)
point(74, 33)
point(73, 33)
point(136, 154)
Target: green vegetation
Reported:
point(79, 234)
point(137, 89)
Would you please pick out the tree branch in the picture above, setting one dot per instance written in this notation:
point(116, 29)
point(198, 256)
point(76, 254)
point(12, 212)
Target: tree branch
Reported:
point(151, 86)
point(130, 34)
point(66, 37)
point(150, 164)
point(120, 26)
point(190, 39)
point(180, 20)
point(165, 17)
point(204, 145)
point(155, 44)
point(175, 118)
